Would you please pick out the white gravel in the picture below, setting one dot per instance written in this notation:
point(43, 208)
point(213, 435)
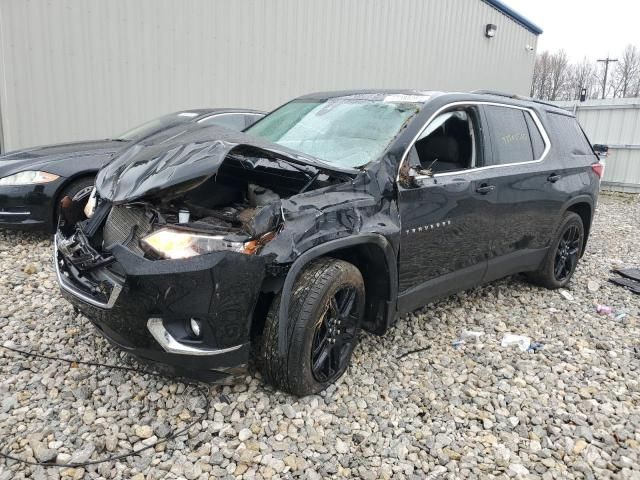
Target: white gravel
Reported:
point(571, 410)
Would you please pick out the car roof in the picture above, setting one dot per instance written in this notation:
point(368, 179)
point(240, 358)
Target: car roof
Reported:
point(520, 100)
point(425, 96)
point(418, 96)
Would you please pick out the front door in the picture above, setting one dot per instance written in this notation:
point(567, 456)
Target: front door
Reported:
point(447, 209)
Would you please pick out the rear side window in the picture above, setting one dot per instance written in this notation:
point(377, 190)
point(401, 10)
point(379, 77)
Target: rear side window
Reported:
point(568, 137)
point(515, 137)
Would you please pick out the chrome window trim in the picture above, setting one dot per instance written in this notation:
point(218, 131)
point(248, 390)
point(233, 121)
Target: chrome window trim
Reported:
point(536, 120)
point(215, 115)
point(2, 213)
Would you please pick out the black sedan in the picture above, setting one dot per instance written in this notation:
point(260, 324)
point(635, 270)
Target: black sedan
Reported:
point(34, 180)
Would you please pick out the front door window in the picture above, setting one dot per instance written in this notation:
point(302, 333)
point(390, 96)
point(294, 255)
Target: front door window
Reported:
point(449, 143)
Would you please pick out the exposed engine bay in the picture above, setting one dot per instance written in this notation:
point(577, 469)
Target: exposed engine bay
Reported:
point(128, 224)
point(237, 209)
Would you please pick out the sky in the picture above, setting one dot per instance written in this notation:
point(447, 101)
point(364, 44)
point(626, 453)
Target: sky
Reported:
point(587, 28)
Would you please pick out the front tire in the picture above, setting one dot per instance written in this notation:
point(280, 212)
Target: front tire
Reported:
point(78, 191)
point(563, 255)
point(325, 311)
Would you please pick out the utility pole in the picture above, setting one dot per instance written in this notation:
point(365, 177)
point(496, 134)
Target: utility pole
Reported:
point(606, 61)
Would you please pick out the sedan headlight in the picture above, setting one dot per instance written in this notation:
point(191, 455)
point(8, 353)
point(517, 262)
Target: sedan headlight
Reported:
point(175, 244)
point(29, 177)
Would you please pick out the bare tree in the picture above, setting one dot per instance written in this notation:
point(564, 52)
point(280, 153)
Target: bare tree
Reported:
point(559, 74)
point(535, 79)
point(555, 78)
point(583, 75)
point(627, 72)
point(551, 75)
point(541, 76)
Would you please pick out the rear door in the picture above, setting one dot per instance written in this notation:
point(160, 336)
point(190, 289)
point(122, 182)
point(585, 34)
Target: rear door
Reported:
point(447, 217)
point(526, 180)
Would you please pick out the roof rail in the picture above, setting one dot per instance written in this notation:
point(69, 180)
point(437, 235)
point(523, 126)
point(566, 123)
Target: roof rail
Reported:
point(513, 96)
point(495, 92)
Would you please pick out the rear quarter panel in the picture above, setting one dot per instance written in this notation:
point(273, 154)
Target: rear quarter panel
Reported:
point(574, 155)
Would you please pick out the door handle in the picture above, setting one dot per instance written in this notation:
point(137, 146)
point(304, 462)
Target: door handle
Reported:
point(553, 178)
point(484, 188)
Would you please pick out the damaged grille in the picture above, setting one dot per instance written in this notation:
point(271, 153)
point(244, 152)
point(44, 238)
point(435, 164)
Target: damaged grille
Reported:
point(126, 226)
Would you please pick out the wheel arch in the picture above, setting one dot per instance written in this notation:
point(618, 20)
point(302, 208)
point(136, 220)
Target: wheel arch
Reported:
point(68, 181)
point(583, 206)
point(369, 253)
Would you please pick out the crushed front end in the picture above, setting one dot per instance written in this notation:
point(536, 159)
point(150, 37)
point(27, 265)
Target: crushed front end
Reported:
point(174, 255)
point(192, 314)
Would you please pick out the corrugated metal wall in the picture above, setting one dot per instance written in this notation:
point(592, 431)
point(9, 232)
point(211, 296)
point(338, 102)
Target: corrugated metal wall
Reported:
point(82, 69)
point(614, 122)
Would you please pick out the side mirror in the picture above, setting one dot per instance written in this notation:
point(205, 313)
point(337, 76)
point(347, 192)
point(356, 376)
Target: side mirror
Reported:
point(411, 176)
point(421, 172)
point(601, 150)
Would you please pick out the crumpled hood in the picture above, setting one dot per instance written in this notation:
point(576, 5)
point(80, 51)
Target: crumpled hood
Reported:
point(181, 158)
point(46, 157)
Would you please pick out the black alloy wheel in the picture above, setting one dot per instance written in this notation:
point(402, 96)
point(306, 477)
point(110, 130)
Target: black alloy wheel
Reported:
point(567, 253)
point(334, 335)
point(562, 257)
point(326, 306)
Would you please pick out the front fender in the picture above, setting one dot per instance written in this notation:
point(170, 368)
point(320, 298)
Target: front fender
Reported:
point(324, 249)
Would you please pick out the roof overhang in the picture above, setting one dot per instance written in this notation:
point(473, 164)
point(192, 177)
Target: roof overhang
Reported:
point(515, 16)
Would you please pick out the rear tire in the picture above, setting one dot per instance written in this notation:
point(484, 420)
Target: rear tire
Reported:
point(325, 311)
point(563, 255)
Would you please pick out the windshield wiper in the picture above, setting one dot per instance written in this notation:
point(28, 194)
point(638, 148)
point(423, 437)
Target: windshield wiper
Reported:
point(309, 183)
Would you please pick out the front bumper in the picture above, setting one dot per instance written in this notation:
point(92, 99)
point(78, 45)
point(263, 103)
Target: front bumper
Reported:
point(144, 307)
point(29, 207)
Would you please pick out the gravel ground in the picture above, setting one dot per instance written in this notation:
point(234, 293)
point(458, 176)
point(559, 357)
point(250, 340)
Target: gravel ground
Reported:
point(570, 410)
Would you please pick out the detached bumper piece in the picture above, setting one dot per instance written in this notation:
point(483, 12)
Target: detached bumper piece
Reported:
point(188, 317)
point(631, 280)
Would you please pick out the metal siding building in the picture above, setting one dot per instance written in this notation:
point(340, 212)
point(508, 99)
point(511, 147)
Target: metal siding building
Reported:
point(84, 69)
point(616, 123)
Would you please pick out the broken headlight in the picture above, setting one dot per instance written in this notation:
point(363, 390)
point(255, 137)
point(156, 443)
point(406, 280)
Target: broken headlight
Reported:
point(176, 244)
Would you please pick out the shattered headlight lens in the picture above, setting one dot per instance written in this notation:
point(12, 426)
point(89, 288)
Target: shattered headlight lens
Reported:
point(175, 244)
point(28, 177)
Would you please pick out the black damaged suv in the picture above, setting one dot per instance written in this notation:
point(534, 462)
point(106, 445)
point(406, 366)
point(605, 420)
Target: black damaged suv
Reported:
point(335, 212)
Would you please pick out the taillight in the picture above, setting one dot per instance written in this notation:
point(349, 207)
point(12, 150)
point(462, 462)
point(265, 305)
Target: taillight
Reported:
point(598, 169)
